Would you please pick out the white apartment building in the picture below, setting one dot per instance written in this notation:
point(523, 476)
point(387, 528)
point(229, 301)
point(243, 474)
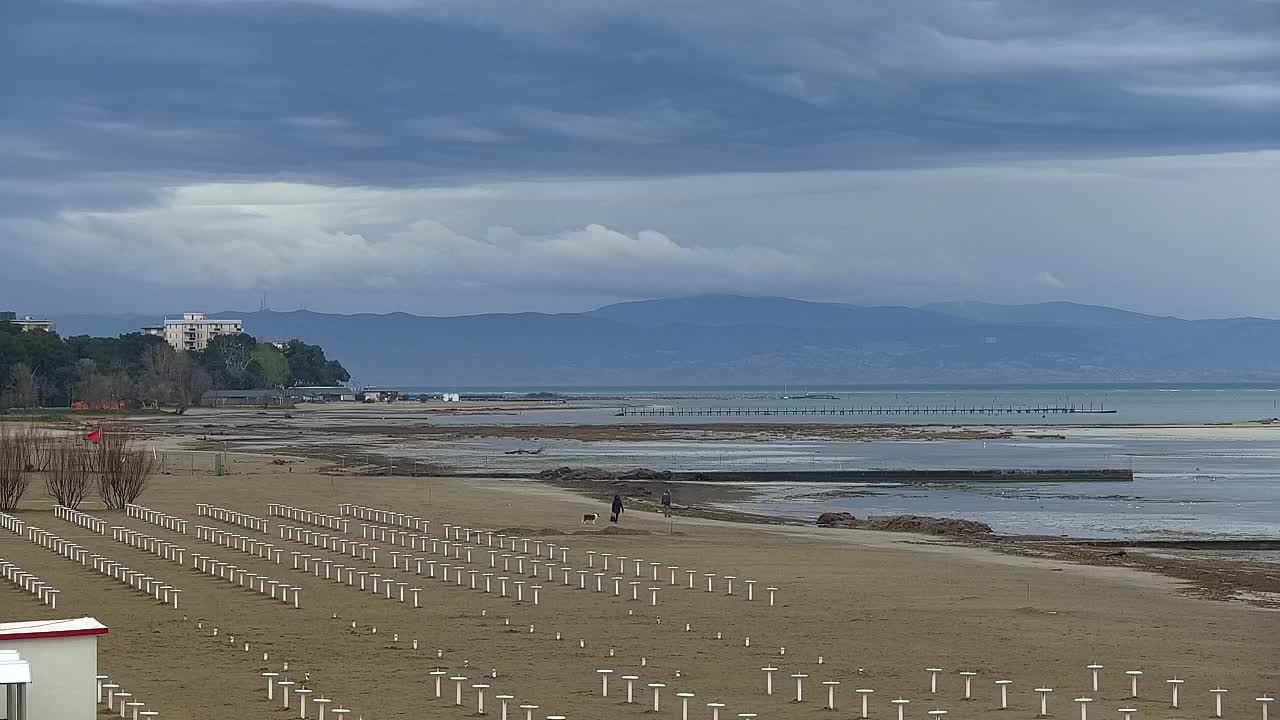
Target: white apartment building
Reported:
point(194, 331)
point(26, 323)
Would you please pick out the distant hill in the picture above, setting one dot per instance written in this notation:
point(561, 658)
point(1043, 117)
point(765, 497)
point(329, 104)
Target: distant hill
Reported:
point(102, 325)
point(722, 339)
point(735, 310)
point(1050, 313)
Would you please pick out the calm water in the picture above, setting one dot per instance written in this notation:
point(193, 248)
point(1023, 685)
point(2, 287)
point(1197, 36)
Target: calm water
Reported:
point(1134, 404)
point(1191, 481)
point(1152, 507)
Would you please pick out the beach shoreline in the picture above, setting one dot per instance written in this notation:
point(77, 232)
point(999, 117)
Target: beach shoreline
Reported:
point(1223, 577)
point(1255, 582)
point(1207, 577)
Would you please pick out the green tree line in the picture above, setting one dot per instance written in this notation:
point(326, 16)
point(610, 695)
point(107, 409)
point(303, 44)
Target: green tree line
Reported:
point(41, 369)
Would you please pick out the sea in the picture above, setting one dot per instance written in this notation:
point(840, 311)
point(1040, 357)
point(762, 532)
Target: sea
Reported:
point(1124, 404)
point(1205, 458)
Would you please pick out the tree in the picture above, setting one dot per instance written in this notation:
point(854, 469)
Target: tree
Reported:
point(121, 467)
point(53, 371)
point(11, 353)
point(19, 455)
point(155, 387)
point(25, 385)
point(273, 364)
point(195, 383)
point(230, 362)
point(69, 472)
point(334, 372)
point(172, 378)
point(88, 382)
point(48, 356)
point(126, 353)
point(309, 366)
point(101, 389)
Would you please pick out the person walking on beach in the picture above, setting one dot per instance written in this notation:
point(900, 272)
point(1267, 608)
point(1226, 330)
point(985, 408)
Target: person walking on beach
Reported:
point(666, 502)
point(616, 515)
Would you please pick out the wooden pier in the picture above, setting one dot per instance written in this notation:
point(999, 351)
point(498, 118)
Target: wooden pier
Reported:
point(667, 411)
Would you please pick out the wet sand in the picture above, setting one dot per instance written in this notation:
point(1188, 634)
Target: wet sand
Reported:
point(878, 607)
point(1204, 568)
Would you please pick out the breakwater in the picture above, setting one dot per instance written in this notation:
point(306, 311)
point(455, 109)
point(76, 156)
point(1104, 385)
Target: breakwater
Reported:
point(893, 410)
point(902, 477)
point(909, 477)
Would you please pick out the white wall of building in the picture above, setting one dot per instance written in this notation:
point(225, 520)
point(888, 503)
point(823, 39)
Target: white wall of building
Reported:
point(62, 676)
point(28, 324)
point(194, 331)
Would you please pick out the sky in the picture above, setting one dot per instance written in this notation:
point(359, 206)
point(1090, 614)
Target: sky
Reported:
point(460, 156)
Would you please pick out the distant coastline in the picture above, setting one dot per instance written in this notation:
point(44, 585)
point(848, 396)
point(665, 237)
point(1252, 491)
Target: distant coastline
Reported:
point(772, 342)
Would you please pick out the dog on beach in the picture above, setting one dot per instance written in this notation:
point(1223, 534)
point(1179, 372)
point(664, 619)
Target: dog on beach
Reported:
point(590, 518)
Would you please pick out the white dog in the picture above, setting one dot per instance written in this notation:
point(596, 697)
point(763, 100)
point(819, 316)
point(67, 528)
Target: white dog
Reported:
point(590, 518)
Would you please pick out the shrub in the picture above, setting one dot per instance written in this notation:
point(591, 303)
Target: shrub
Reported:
point(68, 474)
point(20, 455)
point(122, 468)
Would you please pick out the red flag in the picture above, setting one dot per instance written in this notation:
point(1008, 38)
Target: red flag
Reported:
point(94, 435)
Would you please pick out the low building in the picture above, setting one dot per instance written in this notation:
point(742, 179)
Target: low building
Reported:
point(245, 398)
point(194, 331)
point(378, 395)
point(15, 679)
point(26, 323)
point(61, 665)
point(323, 393)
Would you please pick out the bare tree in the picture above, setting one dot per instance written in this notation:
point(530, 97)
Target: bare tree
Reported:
point(236, 355)
point(101, 389)
point(156, 385)
point(17, 452)
point(90, 384)
point(171, 378)
point(68, 475)
point(25, 384)
point(122, 468)
point(39, 450)
point(196, 384)
point(50, 388)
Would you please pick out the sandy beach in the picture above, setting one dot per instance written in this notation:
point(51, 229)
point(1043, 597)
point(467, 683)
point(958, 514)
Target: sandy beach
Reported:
point(877, 608)
point(364, 439)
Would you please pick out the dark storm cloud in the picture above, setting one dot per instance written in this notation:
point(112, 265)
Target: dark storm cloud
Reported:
point(384, 91)
point(454, 155)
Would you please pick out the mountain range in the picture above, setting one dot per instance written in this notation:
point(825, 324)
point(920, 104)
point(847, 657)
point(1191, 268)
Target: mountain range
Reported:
point(735, 340)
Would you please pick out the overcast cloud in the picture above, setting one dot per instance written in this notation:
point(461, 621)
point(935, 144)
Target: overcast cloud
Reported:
point(451, 156)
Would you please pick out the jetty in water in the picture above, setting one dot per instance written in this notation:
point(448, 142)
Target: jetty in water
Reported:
point(911, 477)
point(993, 409)
point(882, 476)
